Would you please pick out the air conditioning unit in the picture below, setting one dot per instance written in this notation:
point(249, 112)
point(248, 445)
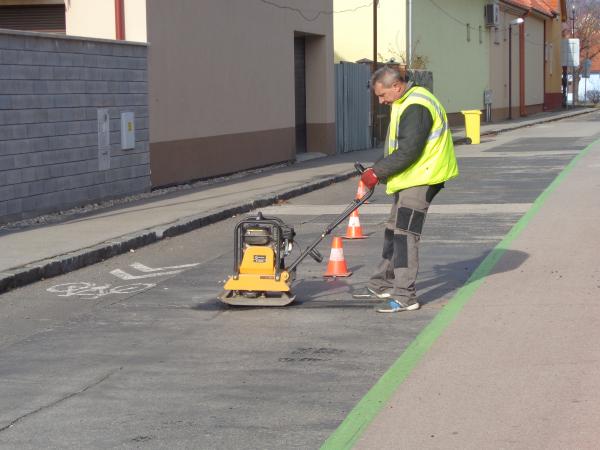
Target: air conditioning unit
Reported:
point(491, 13)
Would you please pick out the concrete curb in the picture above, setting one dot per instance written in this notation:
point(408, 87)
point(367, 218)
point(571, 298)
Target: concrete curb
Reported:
point(69, 262)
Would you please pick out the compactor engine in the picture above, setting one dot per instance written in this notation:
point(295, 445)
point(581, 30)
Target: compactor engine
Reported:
point(261, 245)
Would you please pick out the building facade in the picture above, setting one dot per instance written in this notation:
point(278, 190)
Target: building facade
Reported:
point(468, 54)
point(73, 115)
point(537, 74)
point(232, 85)
point(237, 84)
point(458, 55)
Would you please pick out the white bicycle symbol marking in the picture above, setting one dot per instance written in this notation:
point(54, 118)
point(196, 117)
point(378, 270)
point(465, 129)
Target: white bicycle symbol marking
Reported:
point(91, 291)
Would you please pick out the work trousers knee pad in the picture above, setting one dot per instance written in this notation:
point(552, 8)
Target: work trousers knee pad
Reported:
point(410, 220)
point(395, 248)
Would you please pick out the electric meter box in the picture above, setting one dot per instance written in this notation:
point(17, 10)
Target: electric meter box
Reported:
point(127, 131)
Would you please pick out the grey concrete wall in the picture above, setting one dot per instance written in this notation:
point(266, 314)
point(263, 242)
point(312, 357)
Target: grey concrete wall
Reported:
point(51, 88)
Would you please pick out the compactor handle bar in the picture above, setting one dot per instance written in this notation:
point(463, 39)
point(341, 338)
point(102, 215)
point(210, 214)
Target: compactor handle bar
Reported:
point(359, 167)
point(349, 209)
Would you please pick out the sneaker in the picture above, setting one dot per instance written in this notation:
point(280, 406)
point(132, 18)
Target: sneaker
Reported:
point(393, 305)
point(368, 292)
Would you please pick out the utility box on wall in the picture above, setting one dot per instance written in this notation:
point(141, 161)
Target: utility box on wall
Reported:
point(491, 14)
point(127, 130)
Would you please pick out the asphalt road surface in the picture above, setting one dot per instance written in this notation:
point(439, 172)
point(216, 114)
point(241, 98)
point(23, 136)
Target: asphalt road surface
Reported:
point(136, 352)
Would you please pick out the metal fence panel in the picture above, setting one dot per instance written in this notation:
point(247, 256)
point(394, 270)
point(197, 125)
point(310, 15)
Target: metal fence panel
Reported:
point(353, 107)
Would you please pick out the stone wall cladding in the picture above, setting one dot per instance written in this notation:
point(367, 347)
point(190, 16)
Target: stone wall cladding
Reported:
point(51, 88)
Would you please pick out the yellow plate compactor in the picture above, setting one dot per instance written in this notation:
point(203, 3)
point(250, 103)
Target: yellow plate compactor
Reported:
point(261, 277)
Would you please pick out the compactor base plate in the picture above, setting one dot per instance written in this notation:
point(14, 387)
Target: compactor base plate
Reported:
point(251, 298)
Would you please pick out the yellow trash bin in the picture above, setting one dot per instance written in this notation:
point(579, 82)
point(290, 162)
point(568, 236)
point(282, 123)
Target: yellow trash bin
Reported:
point(472, 118)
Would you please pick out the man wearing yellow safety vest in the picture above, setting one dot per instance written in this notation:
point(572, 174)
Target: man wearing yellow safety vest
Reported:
point(418, 159)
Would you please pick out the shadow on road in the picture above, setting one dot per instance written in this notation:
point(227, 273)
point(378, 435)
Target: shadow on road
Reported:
point(450, 277)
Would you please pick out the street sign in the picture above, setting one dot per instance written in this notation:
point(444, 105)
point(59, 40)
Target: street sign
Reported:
point(587, 65)
point(569, 53)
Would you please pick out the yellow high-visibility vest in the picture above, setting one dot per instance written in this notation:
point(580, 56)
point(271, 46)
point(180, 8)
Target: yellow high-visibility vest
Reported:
point(438, 161)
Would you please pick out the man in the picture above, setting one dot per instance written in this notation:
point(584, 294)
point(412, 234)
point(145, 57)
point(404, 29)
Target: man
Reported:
point(418, 159)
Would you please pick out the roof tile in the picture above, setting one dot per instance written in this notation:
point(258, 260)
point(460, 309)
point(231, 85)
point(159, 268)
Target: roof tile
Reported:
point(547, 7)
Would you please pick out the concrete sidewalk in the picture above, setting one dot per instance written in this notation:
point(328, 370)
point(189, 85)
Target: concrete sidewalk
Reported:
point(517, 365)
point(31, 254)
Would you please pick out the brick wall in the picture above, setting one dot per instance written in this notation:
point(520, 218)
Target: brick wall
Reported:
point(51, 88)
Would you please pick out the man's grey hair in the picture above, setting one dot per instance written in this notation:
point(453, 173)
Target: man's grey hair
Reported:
point(387, 76)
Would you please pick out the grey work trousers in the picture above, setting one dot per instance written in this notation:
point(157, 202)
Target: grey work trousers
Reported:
point(399, 265)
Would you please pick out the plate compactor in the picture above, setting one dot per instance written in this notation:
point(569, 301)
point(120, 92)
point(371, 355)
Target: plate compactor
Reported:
point(261, 277)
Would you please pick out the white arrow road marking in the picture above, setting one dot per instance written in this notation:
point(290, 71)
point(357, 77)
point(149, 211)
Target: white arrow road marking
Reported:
point(126, 276)
point(150, 272)
point(143, 268)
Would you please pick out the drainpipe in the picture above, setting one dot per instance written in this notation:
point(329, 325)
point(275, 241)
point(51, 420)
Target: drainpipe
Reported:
point(522, 107)
point(545, 103)
point(119, 20)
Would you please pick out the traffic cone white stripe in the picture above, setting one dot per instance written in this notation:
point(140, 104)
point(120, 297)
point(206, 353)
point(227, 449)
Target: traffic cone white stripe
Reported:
point(354, 230)
point(337, 254)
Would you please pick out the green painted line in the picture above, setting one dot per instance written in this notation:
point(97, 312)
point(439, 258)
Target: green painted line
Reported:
point(346, 435)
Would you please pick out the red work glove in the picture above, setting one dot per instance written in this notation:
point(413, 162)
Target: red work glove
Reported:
point(369, 178)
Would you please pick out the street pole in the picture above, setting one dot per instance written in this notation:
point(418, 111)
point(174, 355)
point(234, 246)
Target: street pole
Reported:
point(565, 87)
point(573, 70)
point(374, 35)
point(373, 69)
point(509, 71)
point(409, 45)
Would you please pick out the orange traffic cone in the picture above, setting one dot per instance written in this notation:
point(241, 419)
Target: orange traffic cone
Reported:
point(361, 191)
point(354, 230)
point(337, 264)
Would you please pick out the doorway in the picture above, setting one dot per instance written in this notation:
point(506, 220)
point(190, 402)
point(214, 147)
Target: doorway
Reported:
point(300, 92)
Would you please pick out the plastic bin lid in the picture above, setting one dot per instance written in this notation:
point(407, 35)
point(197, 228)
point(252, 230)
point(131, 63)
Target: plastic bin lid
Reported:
point(471, 111)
